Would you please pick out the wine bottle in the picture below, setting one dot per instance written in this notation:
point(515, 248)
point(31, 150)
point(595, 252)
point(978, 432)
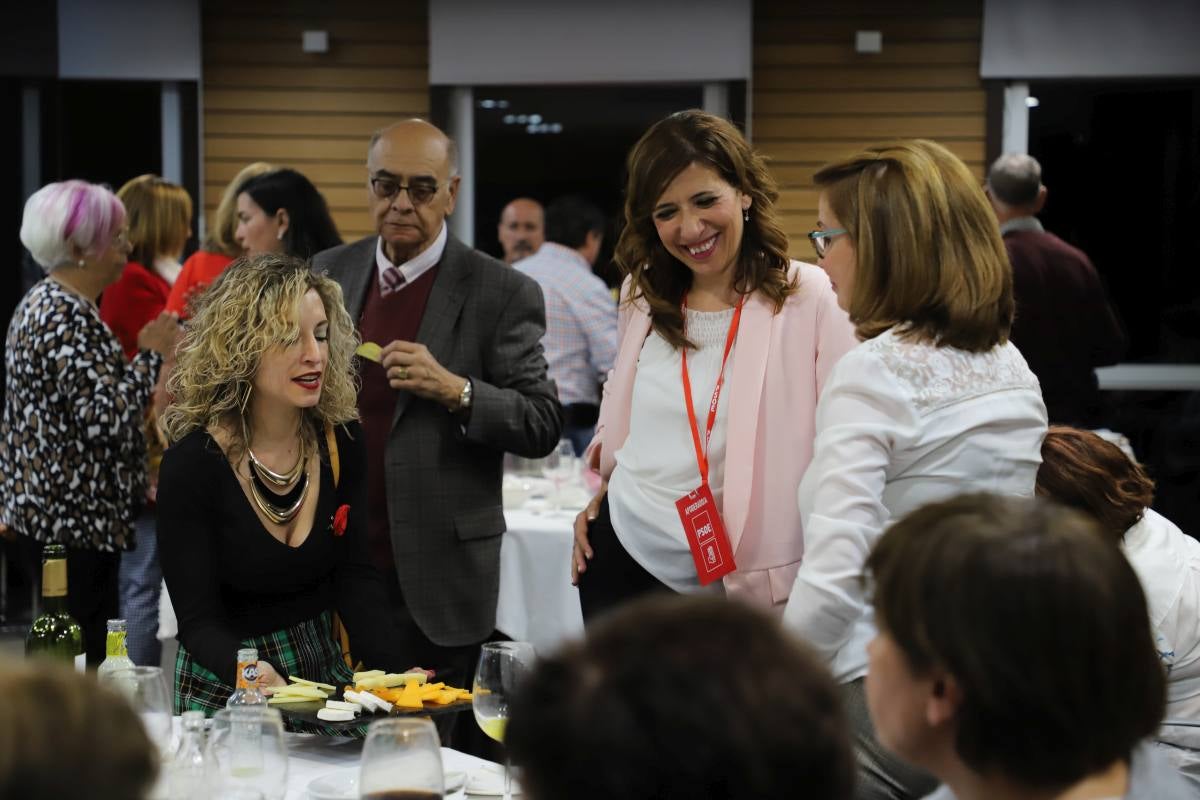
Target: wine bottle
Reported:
point(55, 634)
point(116, 656)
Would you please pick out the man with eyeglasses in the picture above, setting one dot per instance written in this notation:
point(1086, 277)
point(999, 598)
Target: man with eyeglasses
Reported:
point(461, 380)
point(1064, 325)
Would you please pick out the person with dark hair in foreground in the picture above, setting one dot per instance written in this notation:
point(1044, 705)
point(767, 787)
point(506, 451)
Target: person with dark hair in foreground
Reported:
point(1014, 657)
point(63, 736)
point(1082, 470)
point(682, 697)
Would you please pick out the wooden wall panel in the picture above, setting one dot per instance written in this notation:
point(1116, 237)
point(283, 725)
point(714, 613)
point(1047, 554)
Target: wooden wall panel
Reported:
point(815, 99)
point(266, 100)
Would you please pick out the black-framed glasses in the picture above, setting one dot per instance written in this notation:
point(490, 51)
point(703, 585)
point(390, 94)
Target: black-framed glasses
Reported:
point(820, 239)
point(419, 192)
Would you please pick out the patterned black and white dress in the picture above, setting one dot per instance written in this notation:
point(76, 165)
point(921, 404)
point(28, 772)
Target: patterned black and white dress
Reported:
point(74, 468)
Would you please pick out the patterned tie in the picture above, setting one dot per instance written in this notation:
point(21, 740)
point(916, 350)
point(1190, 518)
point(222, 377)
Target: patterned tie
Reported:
point(391, 280)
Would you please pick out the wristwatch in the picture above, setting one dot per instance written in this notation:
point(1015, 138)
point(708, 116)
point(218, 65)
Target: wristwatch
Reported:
point(464, 397)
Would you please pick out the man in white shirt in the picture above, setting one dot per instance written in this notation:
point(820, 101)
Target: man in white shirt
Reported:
point(581, 315)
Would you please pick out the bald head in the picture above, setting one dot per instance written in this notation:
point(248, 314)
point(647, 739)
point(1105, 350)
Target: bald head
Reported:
point(416, 133)
point(522, 228)
point(412, 186)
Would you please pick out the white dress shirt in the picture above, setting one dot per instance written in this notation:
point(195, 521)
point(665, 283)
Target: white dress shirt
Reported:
point(657, 464)
point(901, 424)
point(416, 266)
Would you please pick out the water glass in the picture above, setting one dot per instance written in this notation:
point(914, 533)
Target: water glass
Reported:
point(246, 752)
point(402, 757)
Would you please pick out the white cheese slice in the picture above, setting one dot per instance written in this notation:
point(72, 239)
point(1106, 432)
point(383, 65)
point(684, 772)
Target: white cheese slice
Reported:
point(339, 705)
point(335, 715)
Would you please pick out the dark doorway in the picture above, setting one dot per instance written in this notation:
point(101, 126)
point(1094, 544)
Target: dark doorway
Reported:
point(547, 142)
point(1122, 166)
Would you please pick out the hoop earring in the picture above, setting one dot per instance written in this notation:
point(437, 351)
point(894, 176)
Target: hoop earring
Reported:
point(245, 401)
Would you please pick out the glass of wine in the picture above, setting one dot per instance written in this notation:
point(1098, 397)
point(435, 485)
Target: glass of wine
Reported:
point(146, 690)
point(560, 466)
point(402, 760)
point(502, 667)
point(246, 752)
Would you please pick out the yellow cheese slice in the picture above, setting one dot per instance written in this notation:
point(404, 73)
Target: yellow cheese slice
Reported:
point(370, 351)
point(304, 682)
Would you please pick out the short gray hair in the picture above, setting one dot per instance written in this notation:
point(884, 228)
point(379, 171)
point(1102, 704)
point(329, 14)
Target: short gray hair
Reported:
point(71, 213)
point(1015, 179)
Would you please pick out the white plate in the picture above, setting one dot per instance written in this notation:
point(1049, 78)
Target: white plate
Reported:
point(343, 784)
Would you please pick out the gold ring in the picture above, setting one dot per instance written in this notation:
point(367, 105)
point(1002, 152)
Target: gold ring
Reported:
point(402, 373)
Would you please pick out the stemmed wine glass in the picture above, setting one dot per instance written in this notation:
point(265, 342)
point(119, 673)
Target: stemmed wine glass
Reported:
point(146, 690)
point(560, 466)
point(402, 757)
point(502, 667)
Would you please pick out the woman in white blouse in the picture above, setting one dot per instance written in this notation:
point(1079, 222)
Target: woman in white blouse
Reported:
point(711, 304)
point(934, 402)
point(1083, 470)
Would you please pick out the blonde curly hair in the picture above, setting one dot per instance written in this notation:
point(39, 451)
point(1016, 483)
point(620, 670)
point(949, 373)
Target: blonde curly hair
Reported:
point(251, 307)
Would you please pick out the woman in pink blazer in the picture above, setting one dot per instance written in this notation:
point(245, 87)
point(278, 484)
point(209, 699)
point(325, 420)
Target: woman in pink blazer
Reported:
point(707, 277)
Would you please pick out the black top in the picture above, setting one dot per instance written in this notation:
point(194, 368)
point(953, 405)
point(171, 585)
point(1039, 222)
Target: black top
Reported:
point(230, 579)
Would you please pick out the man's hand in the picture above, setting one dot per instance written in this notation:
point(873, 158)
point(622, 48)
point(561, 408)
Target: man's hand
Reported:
point(412, 367)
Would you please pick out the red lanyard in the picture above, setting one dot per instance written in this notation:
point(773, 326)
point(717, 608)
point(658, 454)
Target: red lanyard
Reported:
point(702, 451)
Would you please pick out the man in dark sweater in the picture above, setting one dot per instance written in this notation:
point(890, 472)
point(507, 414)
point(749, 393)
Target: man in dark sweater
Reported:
point(461, 381)
point(1064, 325)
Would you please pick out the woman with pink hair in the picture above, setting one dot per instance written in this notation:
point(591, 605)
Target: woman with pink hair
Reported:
point(71, 430)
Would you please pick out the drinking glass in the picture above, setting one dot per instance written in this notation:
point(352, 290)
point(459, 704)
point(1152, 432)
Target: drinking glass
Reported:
point(560, 466)
point(246, 752)
point(402, 757)
point(146, 690)
point(502, 667)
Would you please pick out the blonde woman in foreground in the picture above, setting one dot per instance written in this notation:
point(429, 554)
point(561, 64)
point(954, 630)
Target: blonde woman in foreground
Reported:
point(262, 493)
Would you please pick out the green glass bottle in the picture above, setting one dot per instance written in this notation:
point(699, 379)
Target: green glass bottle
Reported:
point(56, 634)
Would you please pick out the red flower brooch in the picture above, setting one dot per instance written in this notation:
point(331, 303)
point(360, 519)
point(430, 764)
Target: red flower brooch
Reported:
point(340, 518)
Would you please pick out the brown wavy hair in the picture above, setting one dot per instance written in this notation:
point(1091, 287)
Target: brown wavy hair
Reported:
point(1090, 473)
point(251, 307)
point(929, 257)
point(655, 276)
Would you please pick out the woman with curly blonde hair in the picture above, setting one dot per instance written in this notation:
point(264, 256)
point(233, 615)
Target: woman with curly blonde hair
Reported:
point(262, 492)
point(711, 308)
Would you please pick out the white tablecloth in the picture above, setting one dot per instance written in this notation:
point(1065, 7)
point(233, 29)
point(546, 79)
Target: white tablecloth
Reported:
point(311, 756)
point(537, 602)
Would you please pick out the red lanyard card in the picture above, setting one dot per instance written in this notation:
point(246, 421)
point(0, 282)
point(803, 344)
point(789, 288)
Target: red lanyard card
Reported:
point(702, 525)
point(706, 535)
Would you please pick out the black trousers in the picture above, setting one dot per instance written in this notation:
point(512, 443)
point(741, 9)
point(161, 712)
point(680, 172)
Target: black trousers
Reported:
point(612, 578)
point(92, 589)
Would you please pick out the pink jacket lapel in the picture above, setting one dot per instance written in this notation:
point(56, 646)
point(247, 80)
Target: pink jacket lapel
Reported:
point(745, 392)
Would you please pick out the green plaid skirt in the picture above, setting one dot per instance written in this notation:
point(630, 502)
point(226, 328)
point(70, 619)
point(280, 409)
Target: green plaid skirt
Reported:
point(306, 650)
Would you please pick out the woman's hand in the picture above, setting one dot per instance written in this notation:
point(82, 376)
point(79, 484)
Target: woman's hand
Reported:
point(267, 676)
point(160, 334)
point(582, 550)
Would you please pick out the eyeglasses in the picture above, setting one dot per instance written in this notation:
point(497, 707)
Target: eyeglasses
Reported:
point(418, 193)
point(820, 239)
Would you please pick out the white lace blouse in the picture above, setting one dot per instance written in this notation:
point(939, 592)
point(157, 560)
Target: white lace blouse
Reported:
point(901, 424)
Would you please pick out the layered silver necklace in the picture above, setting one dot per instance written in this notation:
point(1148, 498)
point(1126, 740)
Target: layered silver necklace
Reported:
point(278, 508)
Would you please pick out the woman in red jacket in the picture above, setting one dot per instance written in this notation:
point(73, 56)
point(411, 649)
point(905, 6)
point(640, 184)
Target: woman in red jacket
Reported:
point(220, 246)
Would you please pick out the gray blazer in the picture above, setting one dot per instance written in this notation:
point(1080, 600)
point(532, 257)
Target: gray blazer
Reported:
point(485, 321)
